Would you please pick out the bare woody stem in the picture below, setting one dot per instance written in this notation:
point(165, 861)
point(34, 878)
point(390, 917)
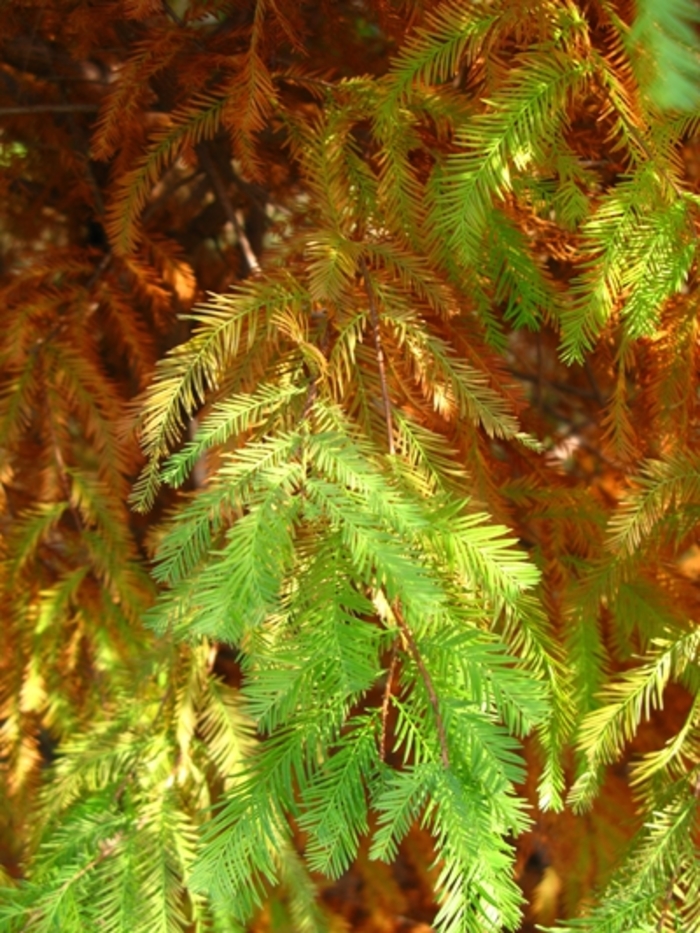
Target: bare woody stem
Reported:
point(234, 217)
point(386, 703)
point(374, 319)
point(27, 109)
point(428, 683)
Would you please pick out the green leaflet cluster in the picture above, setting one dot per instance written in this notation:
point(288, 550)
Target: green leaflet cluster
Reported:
point(342, 573)
point(655, 889)
point(118, 826)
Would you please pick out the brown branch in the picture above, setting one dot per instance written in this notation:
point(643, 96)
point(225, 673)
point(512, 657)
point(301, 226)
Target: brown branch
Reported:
point(100, 270)
point(428, 683)
point(233, 216)
point(386, 701)
point(106, 848)
point(374, 318)
point(167, 186)
point(590, 375)
point(48, 108)
point(559, 386)
point(311, 394)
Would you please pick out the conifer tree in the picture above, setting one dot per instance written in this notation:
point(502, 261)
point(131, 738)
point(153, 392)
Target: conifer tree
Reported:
point(348, 419)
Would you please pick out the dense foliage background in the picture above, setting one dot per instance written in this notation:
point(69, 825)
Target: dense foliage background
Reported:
point(350, 474)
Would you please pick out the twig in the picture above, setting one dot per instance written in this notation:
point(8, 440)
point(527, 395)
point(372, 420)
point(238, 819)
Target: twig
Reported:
point(385, 704)
point(164, 189)
point(106, 848)
point(590, 375)
point(312, 391)
point(559, 386)
point(100, 269)
point(374, 318)
point(668, 898)
point(48, 108)
point(234, 216)
point(428, 682)
point(311, 394)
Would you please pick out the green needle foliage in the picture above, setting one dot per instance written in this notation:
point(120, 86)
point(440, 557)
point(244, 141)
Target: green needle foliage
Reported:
point(334, 470)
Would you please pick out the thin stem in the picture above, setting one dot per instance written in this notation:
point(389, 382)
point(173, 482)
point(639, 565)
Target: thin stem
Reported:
point(311, 394)
point(428, 682)
point(100, 269)
point(590, 375)
point(374, 318)
point(234, 216)
point(321, 319)
point(48, 108)
point(386, 702)
point(559, 386)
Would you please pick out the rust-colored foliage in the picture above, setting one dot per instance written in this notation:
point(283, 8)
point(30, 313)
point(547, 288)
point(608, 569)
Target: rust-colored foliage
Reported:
point(386, 309)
